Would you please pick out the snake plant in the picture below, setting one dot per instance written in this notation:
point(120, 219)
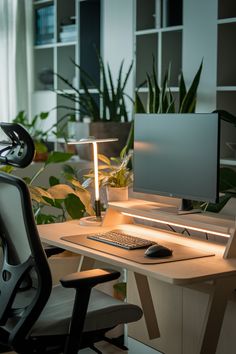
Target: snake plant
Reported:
point(161, 99)
point(111, 93)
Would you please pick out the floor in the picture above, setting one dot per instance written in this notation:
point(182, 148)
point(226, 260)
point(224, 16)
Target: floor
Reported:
point(135, 347)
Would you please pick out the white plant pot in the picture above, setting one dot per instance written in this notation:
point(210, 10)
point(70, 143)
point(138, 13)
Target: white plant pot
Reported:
point(115, 194)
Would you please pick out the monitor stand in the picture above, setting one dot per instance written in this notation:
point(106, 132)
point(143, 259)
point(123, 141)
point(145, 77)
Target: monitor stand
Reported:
point(186, 207)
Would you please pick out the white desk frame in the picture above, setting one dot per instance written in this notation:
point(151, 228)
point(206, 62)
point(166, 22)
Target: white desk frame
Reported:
point(220, 269)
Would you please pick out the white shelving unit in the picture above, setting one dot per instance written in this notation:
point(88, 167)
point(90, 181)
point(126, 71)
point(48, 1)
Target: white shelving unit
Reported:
point(158, 36)
point(226, 74)
point(79, 22)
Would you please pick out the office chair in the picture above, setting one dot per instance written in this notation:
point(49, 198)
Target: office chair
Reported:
point(36, 317)
point(19, 148)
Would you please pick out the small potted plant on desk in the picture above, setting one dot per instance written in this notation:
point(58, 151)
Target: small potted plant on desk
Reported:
point(114, 174)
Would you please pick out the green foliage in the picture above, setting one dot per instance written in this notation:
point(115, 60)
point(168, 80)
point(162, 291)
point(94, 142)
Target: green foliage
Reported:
point(216, 207)
point(57, 156)
point(34, 126)
point(74, 207)
point(53, 181)
point(111, 94)
point(121, 290)
point(7, 169)
point(227, 180)
point(226, 116)
point(227, 185)
point(160, 100)
point(113, 171)
point(35, 129)
point(66, 201)
point(70, 200)
point(187, 99)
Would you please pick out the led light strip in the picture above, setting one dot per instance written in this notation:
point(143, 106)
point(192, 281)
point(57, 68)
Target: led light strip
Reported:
point(178, 225)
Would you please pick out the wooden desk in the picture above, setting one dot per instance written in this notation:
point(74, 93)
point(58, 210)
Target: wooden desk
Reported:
point(221, 272)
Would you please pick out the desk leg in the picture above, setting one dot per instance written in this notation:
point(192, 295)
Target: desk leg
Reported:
point(217, 303)
point(147, 306)
point(85, 263)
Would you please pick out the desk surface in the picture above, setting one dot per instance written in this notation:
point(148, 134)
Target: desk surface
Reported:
point(179, 273)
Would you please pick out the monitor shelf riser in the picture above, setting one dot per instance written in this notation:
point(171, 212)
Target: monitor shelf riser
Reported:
point(125, 212)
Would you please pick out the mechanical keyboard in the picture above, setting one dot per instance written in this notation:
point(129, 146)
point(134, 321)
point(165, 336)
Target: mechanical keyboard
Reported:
point(121, 239)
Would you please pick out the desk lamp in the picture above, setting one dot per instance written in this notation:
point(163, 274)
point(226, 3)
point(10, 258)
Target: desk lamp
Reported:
point(92, 140)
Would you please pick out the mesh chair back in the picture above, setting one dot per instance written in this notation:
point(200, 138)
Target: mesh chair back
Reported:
point(23, 256)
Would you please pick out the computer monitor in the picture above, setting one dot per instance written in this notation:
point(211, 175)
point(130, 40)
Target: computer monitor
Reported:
point(177, 155)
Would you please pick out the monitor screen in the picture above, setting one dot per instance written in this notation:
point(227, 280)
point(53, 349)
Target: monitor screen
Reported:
point(177, 155)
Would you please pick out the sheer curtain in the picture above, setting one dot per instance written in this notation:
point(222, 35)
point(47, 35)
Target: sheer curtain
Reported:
point(15, 57)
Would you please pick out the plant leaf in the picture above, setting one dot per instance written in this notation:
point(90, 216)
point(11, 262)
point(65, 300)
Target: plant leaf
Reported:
point(74, 207)
point(150, 95)
point(138, 105)
point(156, 89)
point(216, 207)
point(44, 115)
point(182, 90)
point(187, 105)
point(53, 181)
point(226, 116)
point(104, 159)
point(57, 156)
point(60, 191)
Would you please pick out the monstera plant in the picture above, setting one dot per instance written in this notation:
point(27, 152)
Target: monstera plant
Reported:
point(61, 200)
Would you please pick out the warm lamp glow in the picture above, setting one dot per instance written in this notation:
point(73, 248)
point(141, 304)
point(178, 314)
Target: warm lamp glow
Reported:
point(95, 162)
point(92, 140)
point(178, 225)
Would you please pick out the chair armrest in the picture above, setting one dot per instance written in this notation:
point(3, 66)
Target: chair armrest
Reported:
point(88, 278)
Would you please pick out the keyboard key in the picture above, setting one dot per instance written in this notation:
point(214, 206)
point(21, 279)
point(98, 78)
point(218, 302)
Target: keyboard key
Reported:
point(121, 239)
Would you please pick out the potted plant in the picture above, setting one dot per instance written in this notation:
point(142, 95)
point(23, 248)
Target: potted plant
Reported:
point(34, 129)
point(105, 109)
point(114, 174)
point(161, 99)
point(61, 201)
point(40, 135)
point(67, 200)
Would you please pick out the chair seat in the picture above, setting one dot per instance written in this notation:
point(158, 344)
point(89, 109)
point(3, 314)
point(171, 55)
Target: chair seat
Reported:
point(104, 311)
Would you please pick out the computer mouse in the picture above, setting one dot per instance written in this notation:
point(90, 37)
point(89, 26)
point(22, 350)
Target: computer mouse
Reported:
point(158, 251)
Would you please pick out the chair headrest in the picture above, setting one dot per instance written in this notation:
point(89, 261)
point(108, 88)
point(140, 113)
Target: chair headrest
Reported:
point(20, 150)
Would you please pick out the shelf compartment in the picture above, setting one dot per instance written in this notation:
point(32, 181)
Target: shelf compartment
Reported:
point(63, 114)
point(172, 54)
point(66, 28)
point(146, 14)
point(43, 64)
point(172, 13)
point(44, 24)
point(65, 66)
point(226, 9)
point(226, 73)
point(226, 100)
point(146, 49)
point(89, 20)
